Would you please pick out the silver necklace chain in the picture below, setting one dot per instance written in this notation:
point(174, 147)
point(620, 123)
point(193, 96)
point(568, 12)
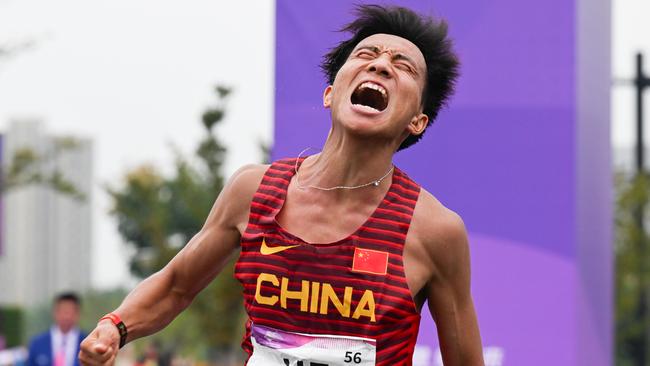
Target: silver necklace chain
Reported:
point(371, 183)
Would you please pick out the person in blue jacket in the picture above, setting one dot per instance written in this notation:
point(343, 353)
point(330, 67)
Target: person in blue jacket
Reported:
point(59, 345)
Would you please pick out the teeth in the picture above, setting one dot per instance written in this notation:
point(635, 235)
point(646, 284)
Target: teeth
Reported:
point(371, 85)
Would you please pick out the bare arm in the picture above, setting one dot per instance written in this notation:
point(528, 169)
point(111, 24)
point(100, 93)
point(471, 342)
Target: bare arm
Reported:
point(449, 297)
point(157, 300)
point(439, 268)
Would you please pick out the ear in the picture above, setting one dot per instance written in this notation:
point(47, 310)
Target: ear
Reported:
point(418, 124)
point(327, 97)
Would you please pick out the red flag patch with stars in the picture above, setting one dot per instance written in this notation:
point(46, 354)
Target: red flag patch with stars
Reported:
point(370, 261)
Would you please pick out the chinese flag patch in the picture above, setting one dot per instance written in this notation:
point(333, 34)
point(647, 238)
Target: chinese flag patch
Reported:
point(370, 261)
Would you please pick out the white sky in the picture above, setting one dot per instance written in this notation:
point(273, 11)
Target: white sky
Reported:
point(134, 75)
point(631, 34)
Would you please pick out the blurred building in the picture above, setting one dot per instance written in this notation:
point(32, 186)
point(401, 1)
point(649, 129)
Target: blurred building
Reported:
point(46, 235)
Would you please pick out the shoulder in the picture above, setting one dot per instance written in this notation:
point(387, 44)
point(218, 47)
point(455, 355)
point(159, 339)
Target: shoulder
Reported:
point(246, 180)
point(248, 174)
point(440, 232)
point(243, 184)
point(232, 205)
point(39, 351)
point(435, 221)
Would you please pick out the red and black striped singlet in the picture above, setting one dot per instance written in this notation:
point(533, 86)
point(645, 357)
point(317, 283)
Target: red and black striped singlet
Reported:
point(342, 303)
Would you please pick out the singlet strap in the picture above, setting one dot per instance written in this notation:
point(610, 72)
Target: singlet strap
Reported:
point(270, 194)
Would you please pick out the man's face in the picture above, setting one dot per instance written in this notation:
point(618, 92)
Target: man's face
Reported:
point(66, 315)
point(378, 91)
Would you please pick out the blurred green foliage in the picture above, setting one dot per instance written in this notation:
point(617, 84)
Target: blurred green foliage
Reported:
point(97, 303)
point(12, 325)
point(632, 275)
point(27, 167)
point(158, 213)
point(38, 318)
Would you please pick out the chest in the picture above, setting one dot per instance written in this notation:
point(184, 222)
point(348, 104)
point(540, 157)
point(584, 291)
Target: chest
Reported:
point(317, 221)
point(316, 218)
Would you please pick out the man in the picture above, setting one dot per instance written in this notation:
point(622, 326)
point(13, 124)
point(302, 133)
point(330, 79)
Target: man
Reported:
point(59, 346)
point(339, 250)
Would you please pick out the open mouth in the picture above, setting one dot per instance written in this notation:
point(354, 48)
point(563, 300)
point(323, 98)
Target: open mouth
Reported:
point(371, 95)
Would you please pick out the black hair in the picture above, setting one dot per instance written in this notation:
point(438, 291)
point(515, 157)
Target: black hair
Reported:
point(67, 296)
point(427, 33)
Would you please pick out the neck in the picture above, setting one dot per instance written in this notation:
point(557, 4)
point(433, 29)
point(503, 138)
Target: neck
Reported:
point(66, 330)
point(348, 161)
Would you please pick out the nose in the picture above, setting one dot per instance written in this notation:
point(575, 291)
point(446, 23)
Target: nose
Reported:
point(381, 65)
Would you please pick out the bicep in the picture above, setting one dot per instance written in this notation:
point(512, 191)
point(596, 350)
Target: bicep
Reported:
point(202, 259)
point(210, 249)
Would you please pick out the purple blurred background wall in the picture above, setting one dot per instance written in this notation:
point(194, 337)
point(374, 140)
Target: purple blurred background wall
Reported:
point(521, 153)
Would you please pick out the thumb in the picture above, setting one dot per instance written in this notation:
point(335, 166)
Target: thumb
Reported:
point(102, 344)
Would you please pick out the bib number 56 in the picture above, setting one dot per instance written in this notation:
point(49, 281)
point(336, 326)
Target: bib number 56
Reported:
point(352, 357)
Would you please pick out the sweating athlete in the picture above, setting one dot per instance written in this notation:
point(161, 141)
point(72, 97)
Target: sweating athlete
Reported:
point(339, 250)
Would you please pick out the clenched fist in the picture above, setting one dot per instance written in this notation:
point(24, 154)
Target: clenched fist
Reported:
point(101, 345)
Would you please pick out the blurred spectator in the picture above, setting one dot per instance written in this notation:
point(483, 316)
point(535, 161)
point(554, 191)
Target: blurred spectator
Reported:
point(59, 345)
point(151, 355)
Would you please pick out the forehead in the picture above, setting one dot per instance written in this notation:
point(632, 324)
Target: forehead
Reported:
point(395, 44)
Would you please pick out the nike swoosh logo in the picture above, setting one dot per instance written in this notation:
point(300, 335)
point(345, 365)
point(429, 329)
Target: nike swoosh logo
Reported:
point(267, 250)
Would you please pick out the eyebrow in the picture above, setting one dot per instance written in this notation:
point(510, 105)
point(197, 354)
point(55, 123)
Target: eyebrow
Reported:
point(395, 55)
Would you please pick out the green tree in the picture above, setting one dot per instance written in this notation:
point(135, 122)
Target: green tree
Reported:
point(632, 270)
point(11, 325)
point(27, 167)
point(97, 303)
point(157, 214)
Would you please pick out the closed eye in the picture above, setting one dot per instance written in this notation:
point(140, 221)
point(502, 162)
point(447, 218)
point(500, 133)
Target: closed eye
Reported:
point(405, 67)
point(404, 63)
point(366, 54)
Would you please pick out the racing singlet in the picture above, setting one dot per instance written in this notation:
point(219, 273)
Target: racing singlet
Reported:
point(345, 303)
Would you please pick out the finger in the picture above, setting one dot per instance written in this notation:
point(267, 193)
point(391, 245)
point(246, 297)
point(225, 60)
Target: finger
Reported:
point(105, 339)
point(86, 360)
point(94, 359)
point(92, 356)
point(111, 361)
point(105, 356)
point(100, 347)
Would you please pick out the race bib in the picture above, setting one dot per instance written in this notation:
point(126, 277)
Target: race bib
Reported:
point(273, 347)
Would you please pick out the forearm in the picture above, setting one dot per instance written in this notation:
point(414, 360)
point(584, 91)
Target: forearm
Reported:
point(461, 344)
point(153, 304)
point(156, 301)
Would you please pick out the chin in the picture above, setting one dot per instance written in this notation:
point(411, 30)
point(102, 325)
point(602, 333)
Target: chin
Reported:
point(364, 127)
point(363, 121)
